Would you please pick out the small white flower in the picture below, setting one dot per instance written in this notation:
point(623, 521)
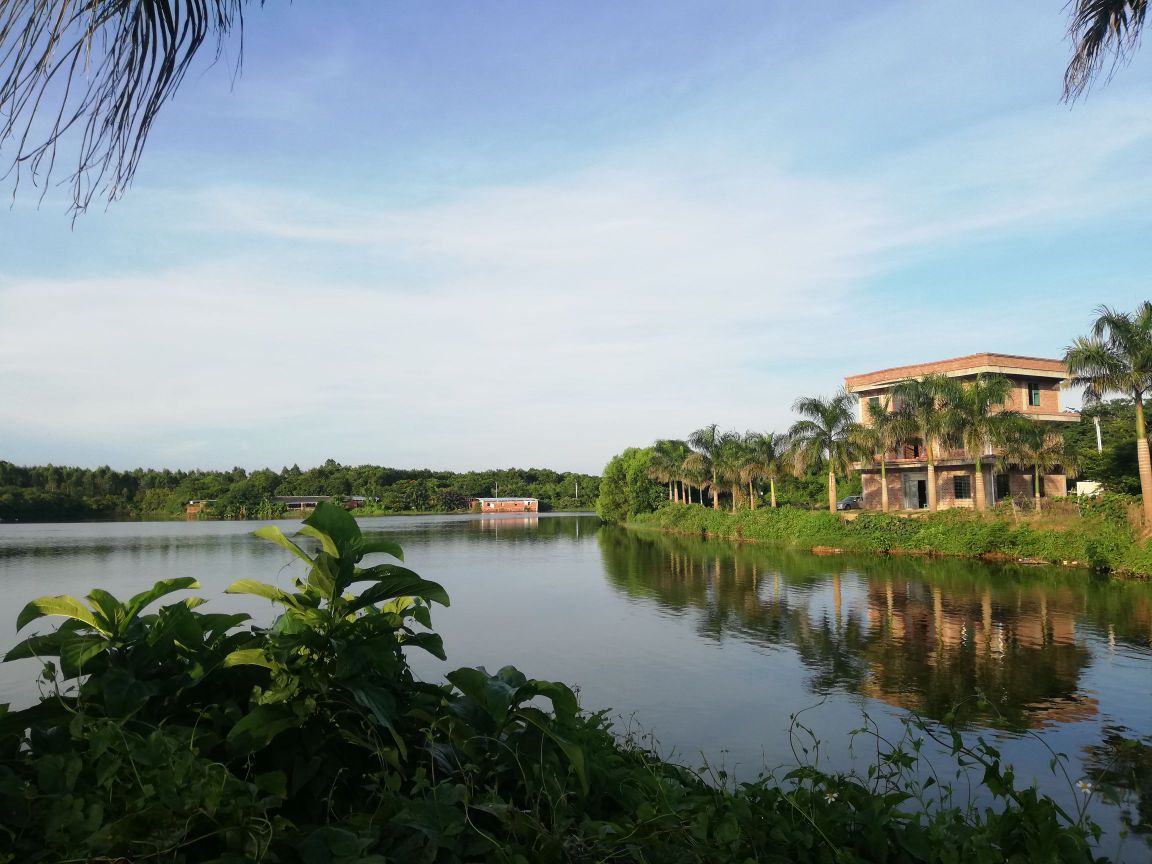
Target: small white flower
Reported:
point(1084, 786)
point(831, 796)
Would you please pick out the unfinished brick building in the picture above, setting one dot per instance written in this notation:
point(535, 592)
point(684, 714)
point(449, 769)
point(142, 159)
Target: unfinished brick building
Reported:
point(1037, 383)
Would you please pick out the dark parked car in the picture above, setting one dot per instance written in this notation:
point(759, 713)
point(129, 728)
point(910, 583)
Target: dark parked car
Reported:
point(852, 502)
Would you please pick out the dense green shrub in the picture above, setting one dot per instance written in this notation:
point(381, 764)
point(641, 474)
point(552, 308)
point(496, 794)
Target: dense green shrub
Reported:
point(181, 736)
point(1101, 537)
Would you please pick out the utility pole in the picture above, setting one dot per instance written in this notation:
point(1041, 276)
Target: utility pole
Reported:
point(577, 493)
point(1099, 440)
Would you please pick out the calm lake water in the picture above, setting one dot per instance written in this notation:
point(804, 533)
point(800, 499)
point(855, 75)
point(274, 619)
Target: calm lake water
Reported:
point(713, 648)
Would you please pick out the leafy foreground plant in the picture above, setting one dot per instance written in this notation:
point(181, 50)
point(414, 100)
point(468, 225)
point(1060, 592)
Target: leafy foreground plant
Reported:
point(184, 737)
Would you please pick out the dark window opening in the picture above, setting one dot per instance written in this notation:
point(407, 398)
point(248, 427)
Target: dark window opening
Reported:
point(962, 488)
point(1033, 394)
point(1003, 488)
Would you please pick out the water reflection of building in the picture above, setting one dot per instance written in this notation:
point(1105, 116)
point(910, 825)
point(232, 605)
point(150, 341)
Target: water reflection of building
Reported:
point(919, 635)
point(1023, 656)
point(497, 523)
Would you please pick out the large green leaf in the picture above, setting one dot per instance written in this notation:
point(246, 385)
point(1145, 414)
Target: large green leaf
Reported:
point(325, 575)
point(398, 577)
point(61, 604)
point(400, 586)
point(160, 589)
point(275, 535)
point(259, 726)
point(374, 545)
point(379, 701)
point(430, 642)
point(37, 647)
point(563, 700)
point(248, 657)
point(326, 542)
point(263, 589)
point(78, 652)
point(492, 694)
point(107, 610)
point(335, 522)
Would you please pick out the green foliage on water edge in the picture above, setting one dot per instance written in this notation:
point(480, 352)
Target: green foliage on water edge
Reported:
point(627, 488)
point(181, 736)
point(1097, 533)
point(48, 493)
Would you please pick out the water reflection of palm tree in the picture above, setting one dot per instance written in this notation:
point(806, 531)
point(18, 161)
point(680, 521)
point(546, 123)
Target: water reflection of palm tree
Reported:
point(921, 635)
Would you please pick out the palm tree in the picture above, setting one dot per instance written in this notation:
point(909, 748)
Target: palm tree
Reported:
point(729, 463)
point(1030, 444)
point(662, 466)
point(1100, 28)
point(695, 473)
point(766, 452)
point(826, 437)
point(1117, 358)
point(707, 443)
point(974, 421)
point(884, 432)
point(101, 68)
point(105, 68)
point(920, 402)
point(678, 452)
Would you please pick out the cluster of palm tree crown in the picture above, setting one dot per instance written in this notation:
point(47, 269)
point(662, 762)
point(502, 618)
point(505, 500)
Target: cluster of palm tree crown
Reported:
point(936, 413)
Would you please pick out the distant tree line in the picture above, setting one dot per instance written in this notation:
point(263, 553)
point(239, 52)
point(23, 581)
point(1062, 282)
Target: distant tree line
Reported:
point(45, 493)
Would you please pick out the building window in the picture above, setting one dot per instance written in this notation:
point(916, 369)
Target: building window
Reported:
point(962, 488)
point(874, 401)
point(1003, 487)
point(1033, 394)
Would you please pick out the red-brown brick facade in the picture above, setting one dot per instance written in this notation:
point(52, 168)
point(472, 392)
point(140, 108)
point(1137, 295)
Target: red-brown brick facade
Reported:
point(1037, 383)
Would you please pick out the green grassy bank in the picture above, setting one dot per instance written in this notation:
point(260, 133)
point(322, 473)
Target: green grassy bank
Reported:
point(1096, 535)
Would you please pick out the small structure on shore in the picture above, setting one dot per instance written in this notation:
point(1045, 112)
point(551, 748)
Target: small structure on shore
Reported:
point(506, 505)
point(292, 503)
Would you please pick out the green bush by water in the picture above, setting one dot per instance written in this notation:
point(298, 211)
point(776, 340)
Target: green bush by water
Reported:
point(184, 736)
point(1100, 537)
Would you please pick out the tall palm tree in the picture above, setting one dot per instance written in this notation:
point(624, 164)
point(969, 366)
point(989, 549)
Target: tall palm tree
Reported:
point(695, 471)
point(920, 403)
point(884, 432)
point(731, 457)
point(766, 452)
point(707, 443)
point(826, 437)
point(1028, 443)
point(662, 466)
point(1100, 28)
point(976, 422)
point(679, 451)
point(1117, 358)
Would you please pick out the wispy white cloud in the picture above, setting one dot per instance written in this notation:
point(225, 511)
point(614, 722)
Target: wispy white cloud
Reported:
point(555, 320)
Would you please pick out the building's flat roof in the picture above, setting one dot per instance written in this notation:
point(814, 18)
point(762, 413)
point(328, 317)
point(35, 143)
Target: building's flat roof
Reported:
point(513, 498)
point(971, 364)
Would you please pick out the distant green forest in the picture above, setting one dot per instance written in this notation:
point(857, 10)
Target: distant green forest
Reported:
point(52, 493)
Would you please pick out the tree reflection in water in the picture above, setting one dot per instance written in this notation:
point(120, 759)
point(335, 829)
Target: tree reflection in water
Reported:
point(926, 635)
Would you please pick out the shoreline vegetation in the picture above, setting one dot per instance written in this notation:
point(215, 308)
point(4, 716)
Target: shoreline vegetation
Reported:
point(54, 493)
point(1092, 534)
point(185, 736)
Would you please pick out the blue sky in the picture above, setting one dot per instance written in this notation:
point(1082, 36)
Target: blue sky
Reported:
point(466, 235)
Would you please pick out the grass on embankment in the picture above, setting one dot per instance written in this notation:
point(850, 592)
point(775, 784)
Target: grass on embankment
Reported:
point(1098, 537)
